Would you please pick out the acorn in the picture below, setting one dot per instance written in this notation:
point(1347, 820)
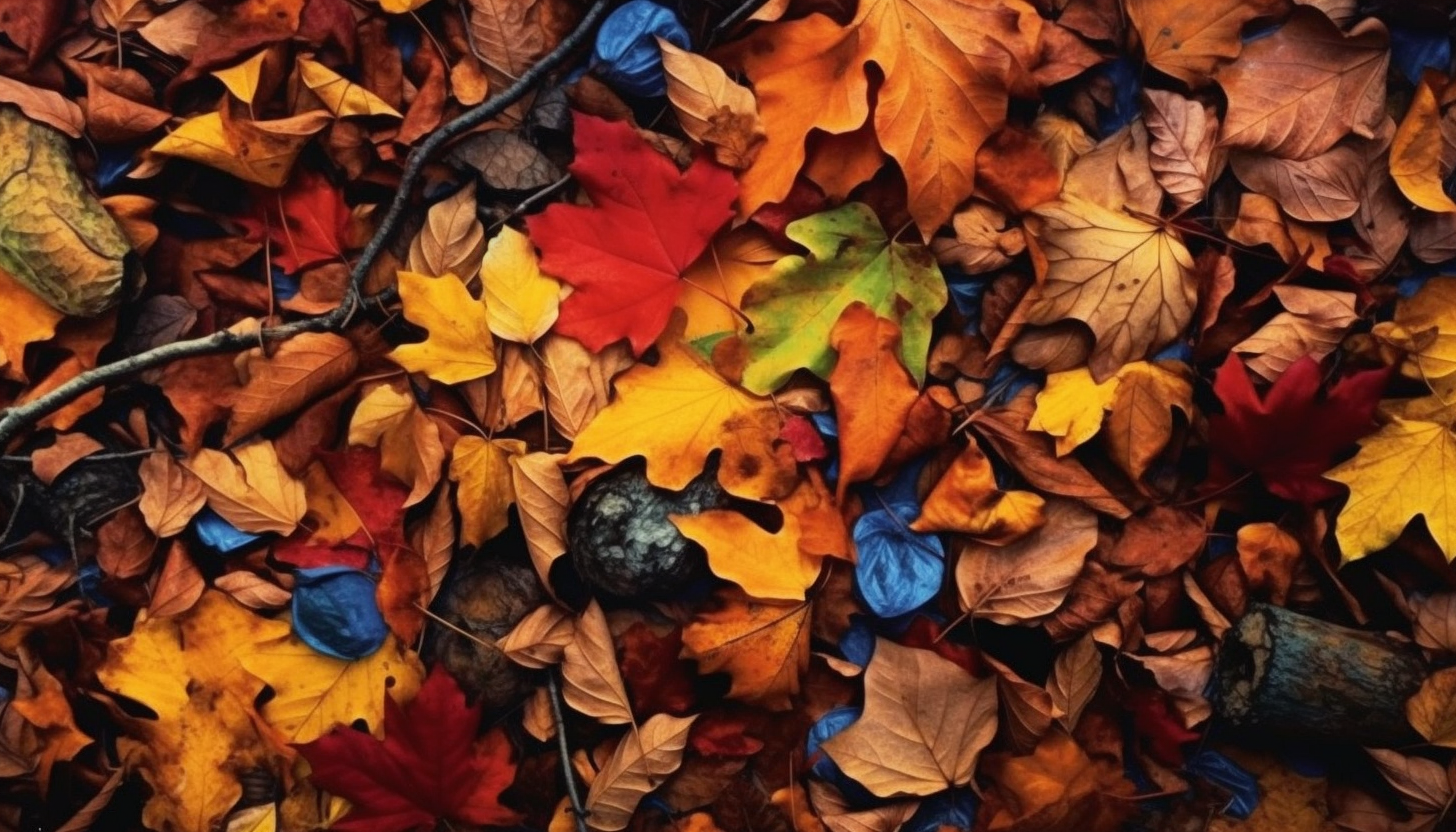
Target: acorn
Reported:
point(622, 543)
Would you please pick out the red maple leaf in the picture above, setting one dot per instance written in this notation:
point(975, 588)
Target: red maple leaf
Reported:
point(429, 766)
point(1291, 436)
point(306, 223)
point(376, 497)
point(625, 254)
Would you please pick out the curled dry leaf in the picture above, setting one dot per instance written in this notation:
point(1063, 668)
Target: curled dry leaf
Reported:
point(1415, 152)
point(1027, 580)
point(1027, 710)
point(541, 638)
point(249, 487)
point(253, 590)
point(967, 501)
point(925, 722)
point(641, 762)
point(451, 240)
point(1313, 323)
point(983, 241)
point(593, 681)
point(711, 108)
point(1075, 676)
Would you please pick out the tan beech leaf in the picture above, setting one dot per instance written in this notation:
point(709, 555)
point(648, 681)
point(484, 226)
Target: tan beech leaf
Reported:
point(540, 639)
point(1188, 40)
point(433, 537)
point(1074, 680)
point(301, 369)
point(1026, 580)
point(451, 240)
point(838, 815)
point(253, 591)
point(124, 544)
point(542, 502)
point(1181, 154)
point(250, 489)
point(925, 722)
point(1423, 784)
point(1432, 711)
point(410, 448)
point(1434, 624)
point(642, 761)
point(593, 681)
point(983, 241)
point(179, 585)
point(509, 36)
point(578, 383)
point(1314, 323)
point(1027, 710)
point(1131, 282)
point(1299, 90)
point(48, 462)
point(712, 108)
point(1323, 188)
point(1117, 173)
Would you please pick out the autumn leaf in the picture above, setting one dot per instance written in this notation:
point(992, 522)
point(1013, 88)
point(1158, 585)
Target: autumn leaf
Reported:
point(966, 500)
point(521, 303)
point(850, 259)
point(1138, 400)
point(1312, 324)
point(925, 722)
point(429, 766)
point(626, 253)
point(777, 569)
point(170, 494)
point(1424, 330)
point(306, 224)
point(948, 66)
point(452, 239)
point(1055, 785)
point(459, 345)
point(410, 448)
point(1026, 580)
point(677, 413)
point(1182, 132)
point(29, 320)
point(341, 96)
point(1301, 89)
point(593, 681)
point(763, 646)
point(262, 152)
point(1130, 281)
point(712, 108)
point(299, 371)
point(1189, 41)
point(1415, 152)
point(481, 470)
point(1402, 470)
point(872, 391)
point(250, 488)
point(642, 760)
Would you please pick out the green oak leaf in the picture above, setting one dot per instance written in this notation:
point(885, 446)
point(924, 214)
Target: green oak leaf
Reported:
point(55, 236)
point(850, 259)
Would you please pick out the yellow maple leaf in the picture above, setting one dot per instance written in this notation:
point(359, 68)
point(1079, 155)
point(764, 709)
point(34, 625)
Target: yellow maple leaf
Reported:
point(459, 347)
point(1130, 281)
point(677, 413)
point(966, 500)
point(1424, 331)
point(1404, 469)
point(484, 494)
point(340, 95)
point(766, 564)
point(410, 448)
point(521, 303)
point(254, 151)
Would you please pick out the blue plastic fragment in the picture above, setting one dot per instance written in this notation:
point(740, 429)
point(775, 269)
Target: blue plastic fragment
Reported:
point(626, 54)
point(955, 808)
point(219, 535)
point(899, 570)
point(1415, 50)
point(335, 613)
point(1215, 768)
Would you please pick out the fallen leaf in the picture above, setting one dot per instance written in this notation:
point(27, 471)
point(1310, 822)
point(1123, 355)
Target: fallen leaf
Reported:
point(301, 370)
point(249, 487)
point(1415, 152)
point(521, 303)
point(1401, 470)
point(1312, 324)
point(341, 96)
point(1076, 674)
point(481, 469)
point(966, 500)
point(1183, 133)
point(262, 152)
point(1027, 579)
point(1268, 556)
point(410, 448)
point(641, 761)
point(778, 568)
point(1189, 42)
point(925, 722)
point(872, 391)
point(542, 502)
point(592, 680)
point(711, 108)
point(452, 238)
point(459, 346)
point(1056, 785)
point(763, 646)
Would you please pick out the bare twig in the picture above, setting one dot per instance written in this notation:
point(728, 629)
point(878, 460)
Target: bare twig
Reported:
point(578, 810)
point(13, 420)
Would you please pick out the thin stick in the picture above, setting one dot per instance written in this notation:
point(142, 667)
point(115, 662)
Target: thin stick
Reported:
point(553, 689)
point(15, 419)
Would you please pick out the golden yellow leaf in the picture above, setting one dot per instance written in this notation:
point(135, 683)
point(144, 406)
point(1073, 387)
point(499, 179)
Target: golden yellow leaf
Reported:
point(186, 670)
point(484, 494)
point(716, 281)
point(242, 79)
point(712, 109)
point(1404, 469)
point(313, 693)
point(1432, 711)
point(342, 96)
point(1424, 329)
point(170, 494)
point(1140, 399)
point(249, 488)
point(459, 347)
point(925, 722)
point(1188, 40)
point(763, 646)
point(1415, 152)
point(1071, 406)
point(767, 565)
point(331, 516)
point(966, 500)
point(521, 303)
point(1130, 281)
point(410, 449)
point(676, 414)
point(254, 151)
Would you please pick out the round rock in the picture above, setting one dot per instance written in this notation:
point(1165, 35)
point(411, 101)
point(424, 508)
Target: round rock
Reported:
point(622, 542)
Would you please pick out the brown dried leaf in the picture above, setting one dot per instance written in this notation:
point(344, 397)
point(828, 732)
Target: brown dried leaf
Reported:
point(1027, 580)
point(1323, 188)
point(540, 639)
point(1314, 323)
point(1432, 710)
point(642, 761)
point(1183, 133)
point(452, 239)
point(838, 815)
point(1423, 784)
point(252, 590)
point(433, 537)
point(124, 544)
point(925, 722)
point(1434, 626)
point(1074, 680)
point(304, 368)
point(578, 383)
point(982, 242)
point(47, 463)
point(171, 495)
point(250, 489)
point(45, 106)
point(711, 108)
point(1188, 40)
point(179, 586)
point(1027, 710)
point(1159, 542)
point(542, 501)
point(593, 681)
point(1268, 556)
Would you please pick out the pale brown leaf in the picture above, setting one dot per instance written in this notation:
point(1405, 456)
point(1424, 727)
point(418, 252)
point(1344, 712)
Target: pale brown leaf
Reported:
point(642, 761)
point(1313, 324)
point(593, 681)
point(1183, 133)
point(1432, 710)
point(250, 489)
point(542, 501)
point(578, 383)
point(302, 369)
point(711, 108)
point(179, 586)
point(1323, 188)
point(1025, 581)
point(45, 106)
point(433, 537)
point(540, 639)
point(1074, 680)
point(252, 590)
point(925, 722)
point(1422, 784)
point(171, 495)
point(1027, 710)
point(124, 544)
point(47, 463)
point(452, 238)
point(1434, 625)
point(838, 815)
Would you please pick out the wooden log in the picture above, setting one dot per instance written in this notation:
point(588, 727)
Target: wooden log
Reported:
point(1279, 671)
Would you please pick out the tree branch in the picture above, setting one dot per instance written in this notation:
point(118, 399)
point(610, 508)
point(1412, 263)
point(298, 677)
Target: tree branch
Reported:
point(578, 810)
point(15, 419)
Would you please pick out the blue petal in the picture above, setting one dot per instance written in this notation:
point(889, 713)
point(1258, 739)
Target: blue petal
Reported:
point(899, 570)
point(219, 535)
point(626, 54)
point(335, 613)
